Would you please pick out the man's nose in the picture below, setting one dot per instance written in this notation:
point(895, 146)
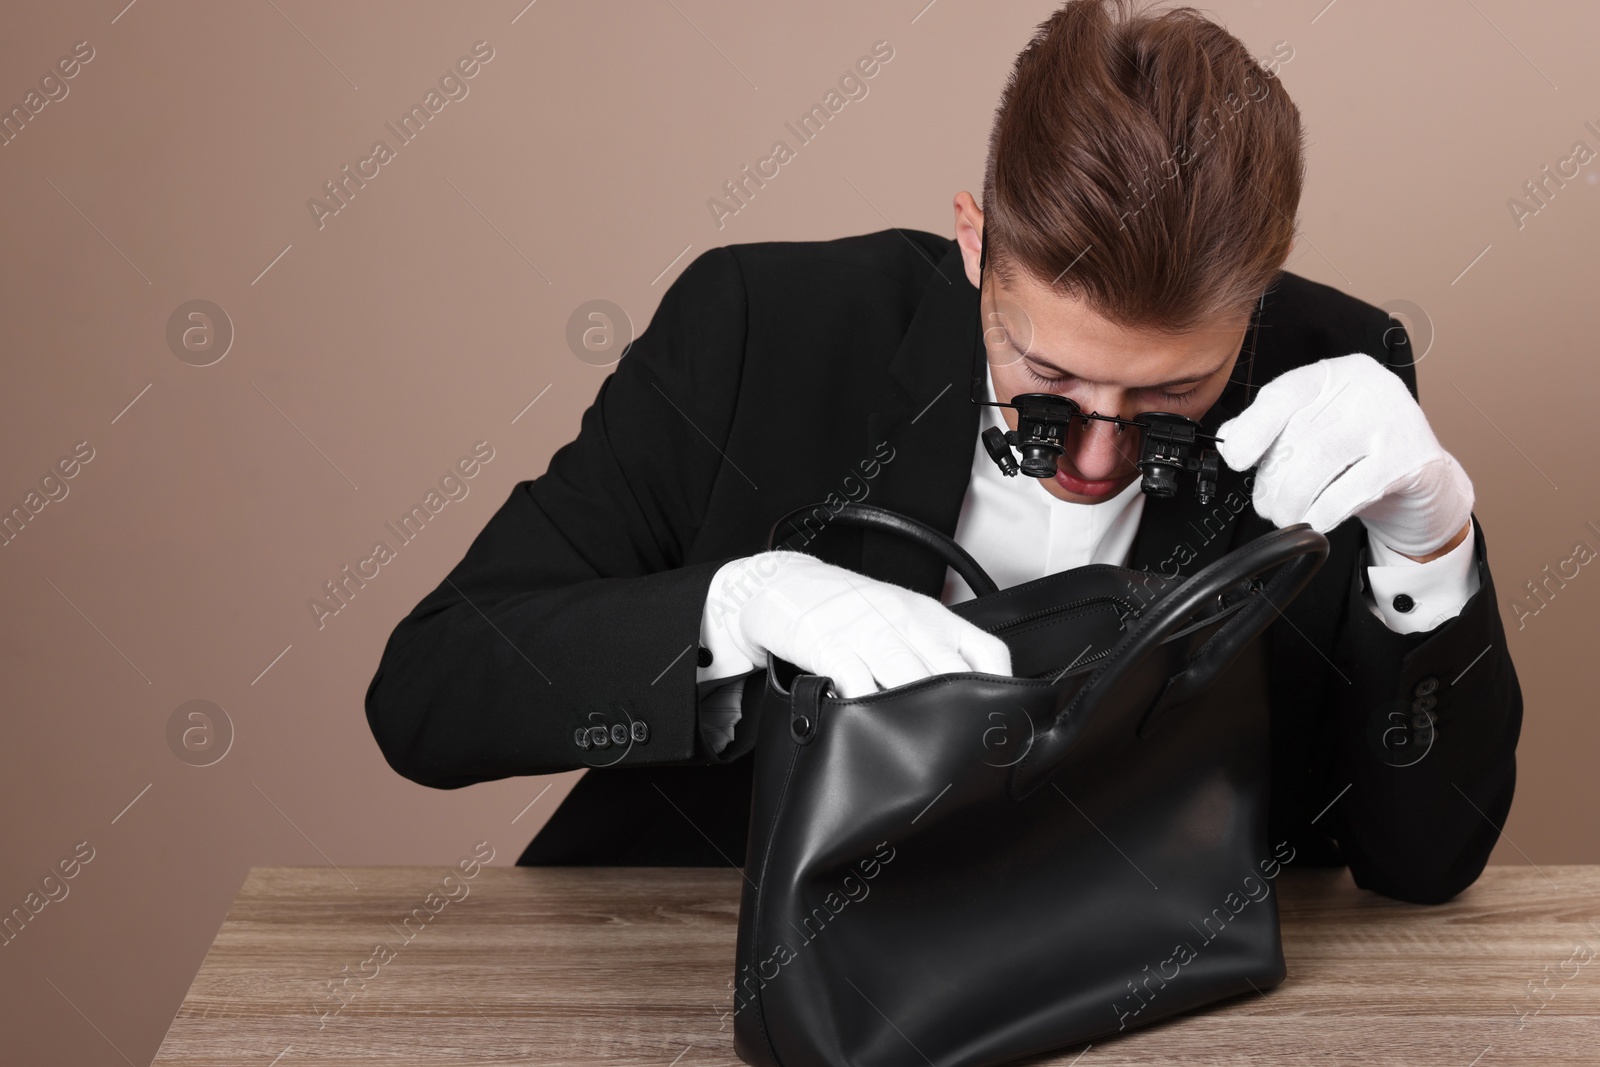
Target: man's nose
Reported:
point(1098, 451)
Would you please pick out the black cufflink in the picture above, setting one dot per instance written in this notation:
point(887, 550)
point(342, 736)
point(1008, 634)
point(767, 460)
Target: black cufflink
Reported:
point(703, 657)
point(1403, 602)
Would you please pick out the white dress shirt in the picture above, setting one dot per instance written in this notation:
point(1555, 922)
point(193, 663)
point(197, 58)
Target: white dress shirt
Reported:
point(996, 512)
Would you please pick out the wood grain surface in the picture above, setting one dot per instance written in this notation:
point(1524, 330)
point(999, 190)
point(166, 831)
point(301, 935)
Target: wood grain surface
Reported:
point(632, 966)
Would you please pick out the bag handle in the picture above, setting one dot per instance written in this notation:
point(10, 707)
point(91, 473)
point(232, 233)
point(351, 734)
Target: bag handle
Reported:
point(1129, 673)
point(874, 517)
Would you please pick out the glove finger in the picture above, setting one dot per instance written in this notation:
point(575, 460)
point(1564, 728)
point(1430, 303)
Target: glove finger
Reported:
point(1347, 493)
point(946, 658)
point(984, 652)
point(952, 645)
point(849, 674)
point(1243, 438)
point(1275, 493)
point(912, 663)
point(895, 662)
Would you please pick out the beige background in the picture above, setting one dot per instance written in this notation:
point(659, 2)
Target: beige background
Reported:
point(373, 352)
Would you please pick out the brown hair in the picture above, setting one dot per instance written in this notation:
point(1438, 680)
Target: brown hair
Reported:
point(1149, 166)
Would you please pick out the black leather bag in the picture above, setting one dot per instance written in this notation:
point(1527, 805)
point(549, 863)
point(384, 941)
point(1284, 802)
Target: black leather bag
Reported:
point(970, 869)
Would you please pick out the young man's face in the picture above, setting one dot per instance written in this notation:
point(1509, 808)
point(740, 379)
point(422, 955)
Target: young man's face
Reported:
point(1030, 329)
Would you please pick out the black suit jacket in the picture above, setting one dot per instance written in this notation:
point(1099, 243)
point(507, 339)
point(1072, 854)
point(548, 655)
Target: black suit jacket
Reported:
point(770, 377)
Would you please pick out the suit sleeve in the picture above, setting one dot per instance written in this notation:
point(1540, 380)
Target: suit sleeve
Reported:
point(566, 637)
point(1426, 732)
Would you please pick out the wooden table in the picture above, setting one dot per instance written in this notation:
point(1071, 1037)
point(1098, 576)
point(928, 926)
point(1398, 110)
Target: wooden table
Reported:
point(633, 966)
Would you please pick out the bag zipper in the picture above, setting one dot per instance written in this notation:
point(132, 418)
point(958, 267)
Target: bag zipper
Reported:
point(1056, 672)
point(1134, 613)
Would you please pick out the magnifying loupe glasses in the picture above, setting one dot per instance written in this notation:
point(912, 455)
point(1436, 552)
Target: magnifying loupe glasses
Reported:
point(1170, 445)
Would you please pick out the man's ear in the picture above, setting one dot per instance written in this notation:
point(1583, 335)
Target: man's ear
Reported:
point(969, 233)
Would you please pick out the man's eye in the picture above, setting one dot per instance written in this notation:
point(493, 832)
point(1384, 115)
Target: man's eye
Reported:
point(1177, 398)
point(1171, 398)
point(1041, 379)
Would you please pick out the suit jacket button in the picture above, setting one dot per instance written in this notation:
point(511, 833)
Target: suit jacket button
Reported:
point(1403, 602)
point(580, 737)
point(619, 734)
point(1424, 703)
point(641, 731)
point(703, 656)
point(1426, 686)
point(599, 737)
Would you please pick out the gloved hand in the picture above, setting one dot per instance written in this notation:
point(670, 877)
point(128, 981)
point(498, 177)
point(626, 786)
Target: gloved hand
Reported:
point(831, 621)
point(1342, 437)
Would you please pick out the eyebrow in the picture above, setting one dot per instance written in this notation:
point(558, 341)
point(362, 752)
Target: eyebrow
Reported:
point(1191, 379)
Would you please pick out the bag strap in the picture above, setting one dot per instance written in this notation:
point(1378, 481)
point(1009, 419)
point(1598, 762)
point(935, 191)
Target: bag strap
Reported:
point(873, 517)
point(1129, 672)
point(805, 706)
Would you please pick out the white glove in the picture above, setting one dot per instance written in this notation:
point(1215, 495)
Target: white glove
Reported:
point(1342, 437)
point(831, 621)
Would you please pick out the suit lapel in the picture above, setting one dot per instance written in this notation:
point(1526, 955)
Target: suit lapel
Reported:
point(931, 425)
point(1178, 535)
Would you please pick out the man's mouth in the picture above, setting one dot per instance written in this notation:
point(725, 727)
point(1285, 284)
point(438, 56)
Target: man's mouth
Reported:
point(1081, 487)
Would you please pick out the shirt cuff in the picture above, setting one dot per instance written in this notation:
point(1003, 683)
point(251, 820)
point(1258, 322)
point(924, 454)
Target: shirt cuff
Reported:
point(1409, 596)
point(719, 711)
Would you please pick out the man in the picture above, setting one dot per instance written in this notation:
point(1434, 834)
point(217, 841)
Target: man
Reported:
point(1142, 181)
